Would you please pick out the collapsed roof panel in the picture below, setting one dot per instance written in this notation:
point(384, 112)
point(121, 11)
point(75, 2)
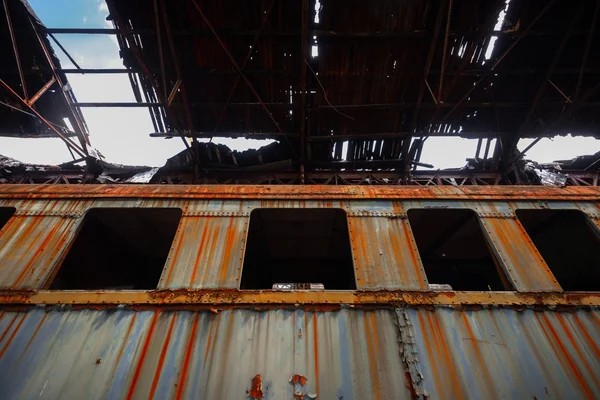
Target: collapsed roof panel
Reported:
point(318, 72)
point(31, 70)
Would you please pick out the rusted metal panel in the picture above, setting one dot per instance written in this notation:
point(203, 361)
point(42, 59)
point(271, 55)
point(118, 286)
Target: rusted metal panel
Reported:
point(385, 254)
point(349, 354)
point(508, 354)
point(206, 253)
point(31, 246)
point(522, 263)
point(588, 193)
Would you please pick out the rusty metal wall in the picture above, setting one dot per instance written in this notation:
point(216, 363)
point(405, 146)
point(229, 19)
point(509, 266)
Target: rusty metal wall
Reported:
point(349, 353)
point(199, 355)
point(209, 245)
point(502, 353)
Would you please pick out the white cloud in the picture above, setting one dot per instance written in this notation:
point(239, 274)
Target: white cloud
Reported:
point(102, 7)
point(84, 20)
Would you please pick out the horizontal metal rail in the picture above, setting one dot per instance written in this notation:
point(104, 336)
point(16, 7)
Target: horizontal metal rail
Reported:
point(254, 298)
point(308, 192)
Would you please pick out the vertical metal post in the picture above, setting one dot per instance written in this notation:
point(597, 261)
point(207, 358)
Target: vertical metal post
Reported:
point(79, 126)
point(15, 49)
point(303, 39)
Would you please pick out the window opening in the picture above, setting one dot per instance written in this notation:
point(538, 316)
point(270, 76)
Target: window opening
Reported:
point(454, 251)
point(5, 215)
point(290, 249)
point(119, 249)
point(569, 243)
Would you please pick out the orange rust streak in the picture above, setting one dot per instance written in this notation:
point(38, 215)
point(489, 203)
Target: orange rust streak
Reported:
point(316, 347)
point(12, 336)
point(455, 383)
point(434, 365)
point(556, 342)
point(8, 328)
point(362, 261)
point(372, 362)
point(40, 249)
point(33, 336)
point(209, 340)
point(161, 359)
point(140, 364)
point(200, 254)
point(186, 361)
point(213, 245)
point(413, 255)
point(180, 239)
point(474, 342)
point(587, 336)
point(397, 251)
point(229, 247)
point(31, 240)
point(126, 338)
point(575, 345)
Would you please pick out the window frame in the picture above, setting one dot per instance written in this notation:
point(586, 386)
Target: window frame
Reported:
point(594, 228)
point(312, 207)
point(58, 263)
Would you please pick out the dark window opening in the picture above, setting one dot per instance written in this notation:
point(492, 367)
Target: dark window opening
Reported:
point(119, 248)
point(5, 214)
point(454, 250)
point(298, 246)
point(569, 243)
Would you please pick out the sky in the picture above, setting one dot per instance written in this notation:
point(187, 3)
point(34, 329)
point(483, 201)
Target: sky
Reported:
point(121, 135)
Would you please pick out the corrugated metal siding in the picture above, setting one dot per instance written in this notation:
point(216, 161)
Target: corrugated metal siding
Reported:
point(510, 354)
point(522, 262)
point(385, 254)
point(349, 354)
point(206, 253)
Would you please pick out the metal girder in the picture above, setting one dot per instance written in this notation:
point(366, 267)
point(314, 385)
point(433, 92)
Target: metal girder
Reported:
point(239, 76)
point(79, 150)
point(15, 49)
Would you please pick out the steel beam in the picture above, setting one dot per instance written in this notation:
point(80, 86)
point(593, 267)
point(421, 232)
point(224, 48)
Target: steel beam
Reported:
point(15, 47)
point(81, 151)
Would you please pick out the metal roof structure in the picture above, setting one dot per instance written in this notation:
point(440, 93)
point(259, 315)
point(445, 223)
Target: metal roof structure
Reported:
point(353, 90)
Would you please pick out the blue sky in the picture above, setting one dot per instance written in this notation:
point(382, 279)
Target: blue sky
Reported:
point(121, 135)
